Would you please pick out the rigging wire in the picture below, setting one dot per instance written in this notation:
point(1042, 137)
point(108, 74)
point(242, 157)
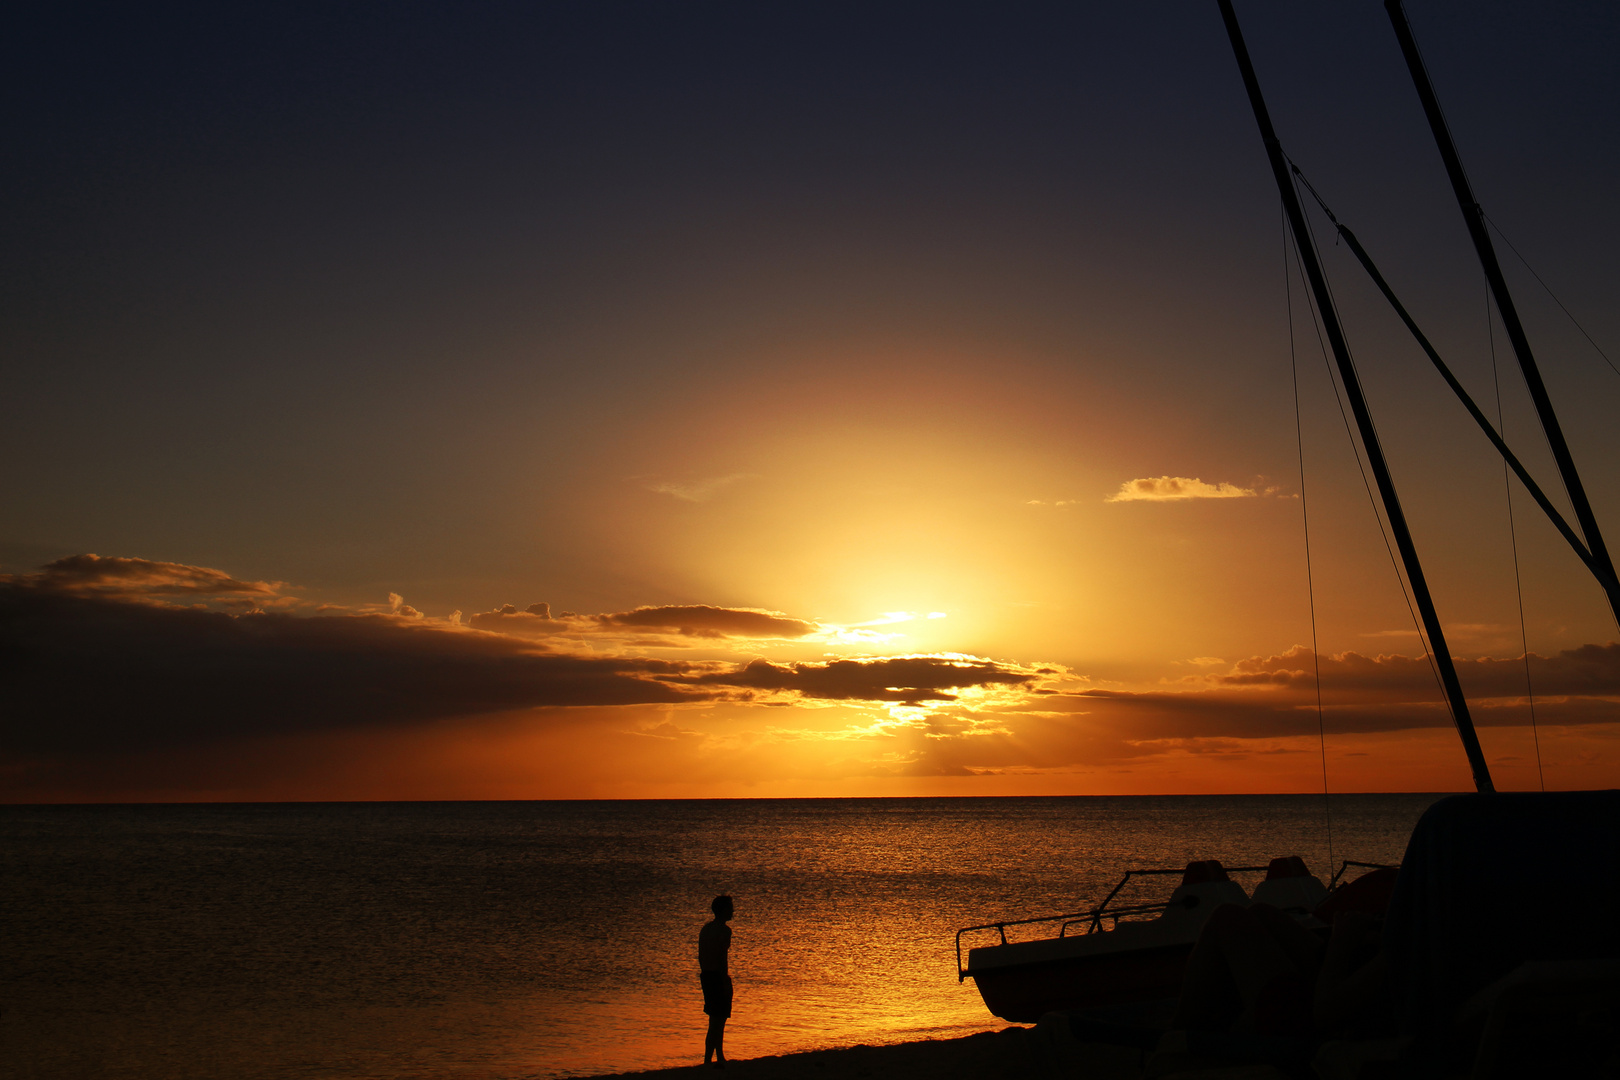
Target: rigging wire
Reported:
point(1550, 293)
point(1305, 519)
point(1513, 537)
point(1491, 432)
point(1366, 484)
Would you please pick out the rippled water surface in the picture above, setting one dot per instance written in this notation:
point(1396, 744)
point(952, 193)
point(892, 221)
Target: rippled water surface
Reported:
point(485, 940)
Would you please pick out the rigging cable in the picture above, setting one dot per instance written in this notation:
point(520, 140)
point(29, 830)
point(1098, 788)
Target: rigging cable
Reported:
point(1513, 536)
point(1305, 519)
point(1372, 500)
point(1550, 293)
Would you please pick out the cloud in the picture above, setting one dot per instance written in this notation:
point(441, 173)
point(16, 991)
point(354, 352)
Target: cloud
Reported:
point(1590, 670)
point(91, 667)
point(909, 679)
point(534, 621)
point(701, 620)
point(398, 607)
point(1173, 488)
point(691, 621)
point(697, 490)
point(1275, 696)
point(666, 730)
point(89, 675)
point(100, 663)
point(138, 579)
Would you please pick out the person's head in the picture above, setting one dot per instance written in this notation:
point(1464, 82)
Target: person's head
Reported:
point(721, 906)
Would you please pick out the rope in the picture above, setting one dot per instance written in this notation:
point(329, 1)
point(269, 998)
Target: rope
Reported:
point(1513, 536)
point(1550, 293)
point(1305, 520)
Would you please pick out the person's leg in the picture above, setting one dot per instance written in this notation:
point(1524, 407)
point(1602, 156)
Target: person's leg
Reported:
point(717, 1037)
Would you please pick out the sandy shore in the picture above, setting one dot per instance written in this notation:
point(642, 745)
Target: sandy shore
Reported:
point(992, 1055)
point(1011, 1054)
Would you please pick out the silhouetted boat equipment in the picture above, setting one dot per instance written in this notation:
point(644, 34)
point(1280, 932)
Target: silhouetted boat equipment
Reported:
point(1604, 573)
point(1437, 957)
point(1474, 217)
point(1358, 406)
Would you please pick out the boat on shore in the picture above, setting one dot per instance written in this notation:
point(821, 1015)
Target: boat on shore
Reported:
point(1134, 954)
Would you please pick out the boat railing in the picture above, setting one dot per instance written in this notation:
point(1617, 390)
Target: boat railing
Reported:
point(1093, 920)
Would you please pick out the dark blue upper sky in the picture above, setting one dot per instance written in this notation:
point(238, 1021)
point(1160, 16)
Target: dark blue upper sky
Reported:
point(316, 289)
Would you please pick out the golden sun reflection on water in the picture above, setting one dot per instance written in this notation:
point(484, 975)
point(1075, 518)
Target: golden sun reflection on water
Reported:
point(476, 941)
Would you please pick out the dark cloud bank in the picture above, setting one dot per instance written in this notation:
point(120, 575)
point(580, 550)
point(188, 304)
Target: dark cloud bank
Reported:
point(97, 660)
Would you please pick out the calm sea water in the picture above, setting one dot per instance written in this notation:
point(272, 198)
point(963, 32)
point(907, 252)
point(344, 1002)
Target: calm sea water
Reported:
point(467, 941)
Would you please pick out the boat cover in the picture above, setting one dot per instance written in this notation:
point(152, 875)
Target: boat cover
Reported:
point(1490, 882)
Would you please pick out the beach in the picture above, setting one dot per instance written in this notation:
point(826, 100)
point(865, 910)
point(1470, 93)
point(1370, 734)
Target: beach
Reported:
point(1013, 1053)
point(1010, 1053)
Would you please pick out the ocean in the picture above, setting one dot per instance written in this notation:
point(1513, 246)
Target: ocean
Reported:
point(475, 941)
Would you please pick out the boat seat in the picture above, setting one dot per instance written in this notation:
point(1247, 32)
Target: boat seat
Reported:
point(1290, 887)
point(1204, 887)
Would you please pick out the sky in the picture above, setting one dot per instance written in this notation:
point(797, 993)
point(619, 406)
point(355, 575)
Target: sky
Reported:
point(629, 400)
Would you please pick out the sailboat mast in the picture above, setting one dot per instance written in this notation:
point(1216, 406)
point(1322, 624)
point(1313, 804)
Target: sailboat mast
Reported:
point(1358, 406)
point(1474, 216)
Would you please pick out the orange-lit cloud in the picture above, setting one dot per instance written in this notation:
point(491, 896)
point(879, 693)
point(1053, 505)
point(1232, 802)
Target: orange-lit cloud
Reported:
point(1173, 488)
point(108, 668)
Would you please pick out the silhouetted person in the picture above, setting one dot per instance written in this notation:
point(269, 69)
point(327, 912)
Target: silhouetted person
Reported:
point(714, 943)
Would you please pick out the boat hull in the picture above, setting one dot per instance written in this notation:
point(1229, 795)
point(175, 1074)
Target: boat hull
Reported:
point(1022, 993)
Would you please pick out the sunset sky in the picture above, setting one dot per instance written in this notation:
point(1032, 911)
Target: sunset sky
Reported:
point(440, 401)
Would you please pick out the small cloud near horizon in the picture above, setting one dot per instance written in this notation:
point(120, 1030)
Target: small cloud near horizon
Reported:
point(697, 490)
point(1179, 488)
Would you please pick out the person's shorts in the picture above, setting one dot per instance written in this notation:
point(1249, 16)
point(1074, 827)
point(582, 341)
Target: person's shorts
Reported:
point(716, 993)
